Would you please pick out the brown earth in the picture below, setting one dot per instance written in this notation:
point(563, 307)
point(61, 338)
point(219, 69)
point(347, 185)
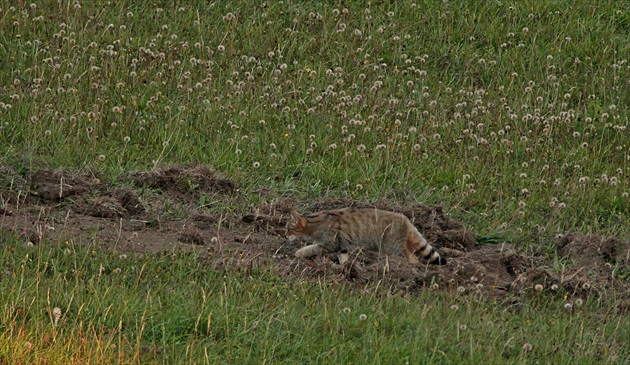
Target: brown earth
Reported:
point(177, 208)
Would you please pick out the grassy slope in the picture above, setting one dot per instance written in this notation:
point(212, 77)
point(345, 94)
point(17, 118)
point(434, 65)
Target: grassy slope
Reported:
point(512, 116)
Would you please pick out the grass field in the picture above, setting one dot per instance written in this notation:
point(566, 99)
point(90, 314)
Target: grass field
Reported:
point(513, 116)
point(117, 309)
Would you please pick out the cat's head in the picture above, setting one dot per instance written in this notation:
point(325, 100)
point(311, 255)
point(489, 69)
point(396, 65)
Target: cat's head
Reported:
point(295, 226)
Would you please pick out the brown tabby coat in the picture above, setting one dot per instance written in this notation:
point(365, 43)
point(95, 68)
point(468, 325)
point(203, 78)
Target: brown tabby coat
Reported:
point(339, 230)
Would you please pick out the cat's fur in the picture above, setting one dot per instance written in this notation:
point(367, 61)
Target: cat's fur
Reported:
point(338, 231)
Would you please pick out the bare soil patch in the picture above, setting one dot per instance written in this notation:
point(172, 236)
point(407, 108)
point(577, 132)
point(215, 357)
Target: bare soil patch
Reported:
point(55, 206)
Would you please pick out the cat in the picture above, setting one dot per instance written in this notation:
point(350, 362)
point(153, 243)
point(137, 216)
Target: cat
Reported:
point(339, 230)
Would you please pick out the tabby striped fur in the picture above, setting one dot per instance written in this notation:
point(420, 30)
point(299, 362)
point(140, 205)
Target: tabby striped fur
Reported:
point(340, 230)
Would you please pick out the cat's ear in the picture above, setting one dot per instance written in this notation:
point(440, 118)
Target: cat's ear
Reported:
point(296, 217)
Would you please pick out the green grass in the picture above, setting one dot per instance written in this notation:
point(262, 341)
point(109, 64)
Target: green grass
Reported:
point(512, 115)
point(478, 106)
point(172, 309)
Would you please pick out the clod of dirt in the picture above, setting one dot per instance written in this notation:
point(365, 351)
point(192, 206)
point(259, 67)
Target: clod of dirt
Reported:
point(129, 201)
point(278, 208)
point(271, 218)
point(191, 234)
point(262, 221)
point(100, 206)
point(185, 179)
point(204, 221)
point(54, 186)
point(495, 266)
point(109, 204)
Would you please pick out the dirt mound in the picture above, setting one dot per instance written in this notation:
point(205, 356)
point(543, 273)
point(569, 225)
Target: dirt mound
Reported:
point(185, 179)
point(129, 201)
point(494, 270)
point(57, 185)
point(491, 270)
point(191, 234)
point(439, 229)
point(271, 218)
point(594, 265)
point(109, 204)
point(89, 195)
point(594, 252)
point(494, 267)
point(62, 205)
point(99, 206)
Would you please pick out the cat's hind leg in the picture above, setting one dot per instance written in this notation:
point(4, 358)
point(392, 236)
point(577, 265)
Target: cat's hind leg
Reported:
point(410, 255)
point(343, 257)
point(413, 242)
point(309, 251)
point(342, 245)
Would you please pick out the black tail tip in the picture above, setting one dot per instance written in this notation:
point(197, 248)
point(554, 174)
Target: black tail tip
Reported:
point(439, 261)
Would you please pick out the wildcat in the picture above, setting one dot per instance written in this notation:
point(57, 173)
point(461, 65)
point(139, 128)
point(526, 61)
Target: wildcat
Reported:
point(339, 230)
